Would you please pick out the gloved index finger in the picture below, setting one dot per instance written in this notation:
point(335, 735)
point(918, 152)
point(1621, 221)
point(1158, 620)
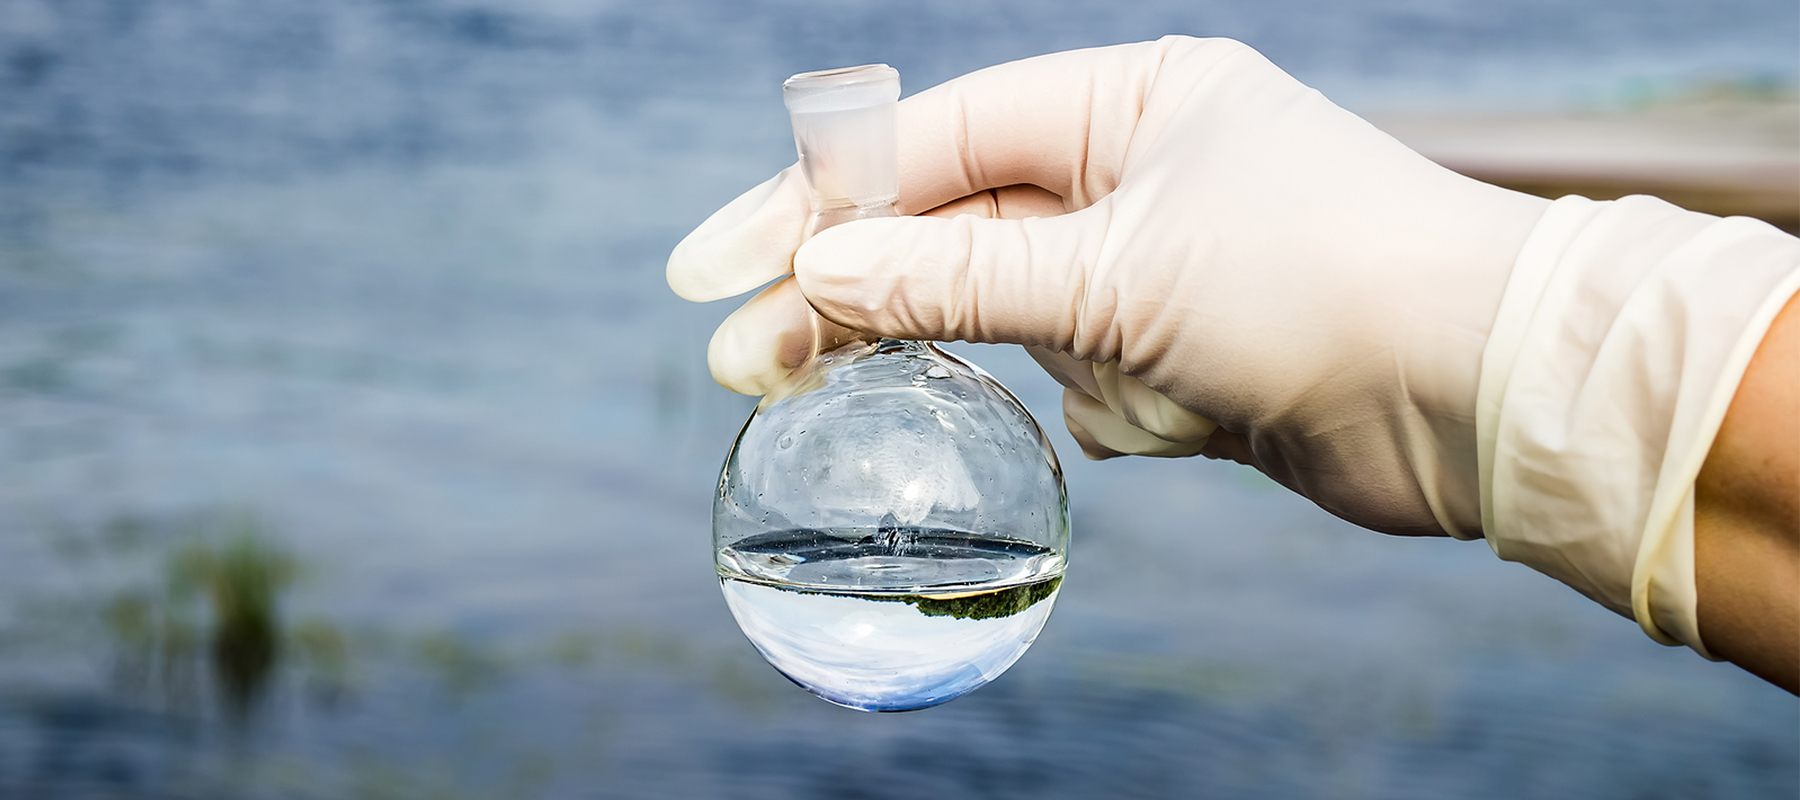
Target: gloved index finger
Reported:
point(1062, 122)
point(746, 244)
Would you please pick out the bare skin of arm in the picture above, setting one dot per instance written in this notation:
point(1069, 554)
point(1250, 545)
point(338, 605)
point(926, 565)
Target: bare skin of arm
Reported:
point(1747, 516)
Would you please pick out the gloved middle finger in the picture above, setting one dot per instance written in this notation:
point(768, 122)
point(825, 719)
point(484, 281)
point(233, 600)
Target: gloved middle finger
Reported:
point(1018, 201)
point(1062, 121)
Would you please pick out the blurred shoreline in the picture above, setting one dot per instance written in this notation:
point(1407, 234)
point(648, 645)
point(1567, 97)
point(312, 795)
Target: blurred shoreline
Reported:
point(1721, 150)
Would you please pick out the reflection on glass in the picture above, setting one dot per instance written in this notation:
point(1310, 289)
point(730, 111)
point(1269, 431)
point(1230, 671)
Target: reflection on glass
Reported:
point(891, 529)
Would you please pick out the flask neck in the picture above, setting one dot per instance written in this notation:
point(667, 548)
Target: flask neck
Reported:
point(844, 130)
point(823, 218)
point(831, 336)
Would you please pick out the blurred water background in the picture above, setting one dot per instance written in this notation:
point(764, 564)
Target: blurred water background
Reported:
point(351, 445)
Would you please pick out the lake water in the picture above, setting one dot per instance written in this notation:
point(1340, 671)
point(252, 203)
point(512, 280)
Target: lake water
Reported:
point(352, 446)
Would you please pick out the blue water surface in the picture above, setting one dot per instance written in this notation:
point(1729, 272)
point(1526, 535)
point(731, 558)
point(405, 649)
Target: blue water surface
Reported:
point(352, 446)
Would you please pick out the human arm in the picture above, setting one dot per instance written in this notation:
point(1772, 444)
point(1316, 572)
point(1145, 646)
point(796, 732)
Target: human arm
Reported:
point(1747, 516)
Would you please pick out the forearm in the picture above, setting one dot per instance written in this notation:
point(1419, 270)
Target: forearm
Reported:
point(1637, 418)
point(1747, 516)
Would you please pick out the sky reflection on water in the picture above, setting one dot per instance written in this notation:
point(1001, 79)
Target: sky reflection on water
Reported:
point(352, 446)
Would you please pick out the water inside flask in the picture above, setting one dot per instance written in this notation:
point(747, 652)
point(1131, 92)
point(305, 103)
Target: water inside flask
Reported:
point(891, 526)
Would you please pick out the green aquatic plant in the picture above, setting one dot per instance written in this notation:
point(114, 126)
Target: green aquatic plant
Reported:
point(242, 580)
point(985, 605)
point(199, 612)
point(974, 605)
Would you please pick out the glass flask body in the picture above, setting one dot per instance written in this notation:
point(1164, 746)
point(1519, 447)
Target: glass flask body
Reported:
point(891, 527)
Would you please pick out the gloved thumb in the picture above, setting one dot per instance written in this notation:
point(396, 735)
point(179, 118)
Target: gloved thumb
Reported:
point(1022, 281)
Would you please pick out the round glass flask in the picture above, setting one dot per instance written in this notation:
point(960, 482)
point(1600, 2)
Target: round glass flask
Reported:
point(891, 526)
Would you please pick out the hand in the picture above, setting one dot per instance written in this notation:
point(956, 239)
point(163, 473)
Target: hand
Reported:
point(1182, 234)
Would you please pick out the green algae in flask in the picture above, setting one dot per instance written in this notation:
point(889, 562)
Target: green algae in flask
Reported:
point(891, 526)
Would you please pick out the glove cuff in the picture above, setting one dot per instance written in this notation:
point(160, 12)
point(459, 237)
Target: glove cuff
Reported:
point(1619, 343)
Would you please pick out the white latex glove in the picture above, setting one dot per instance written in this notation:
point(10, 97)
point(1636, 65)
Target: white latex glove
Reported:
point(1180, 232)
point(1625, 330)
point(1212, 241)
